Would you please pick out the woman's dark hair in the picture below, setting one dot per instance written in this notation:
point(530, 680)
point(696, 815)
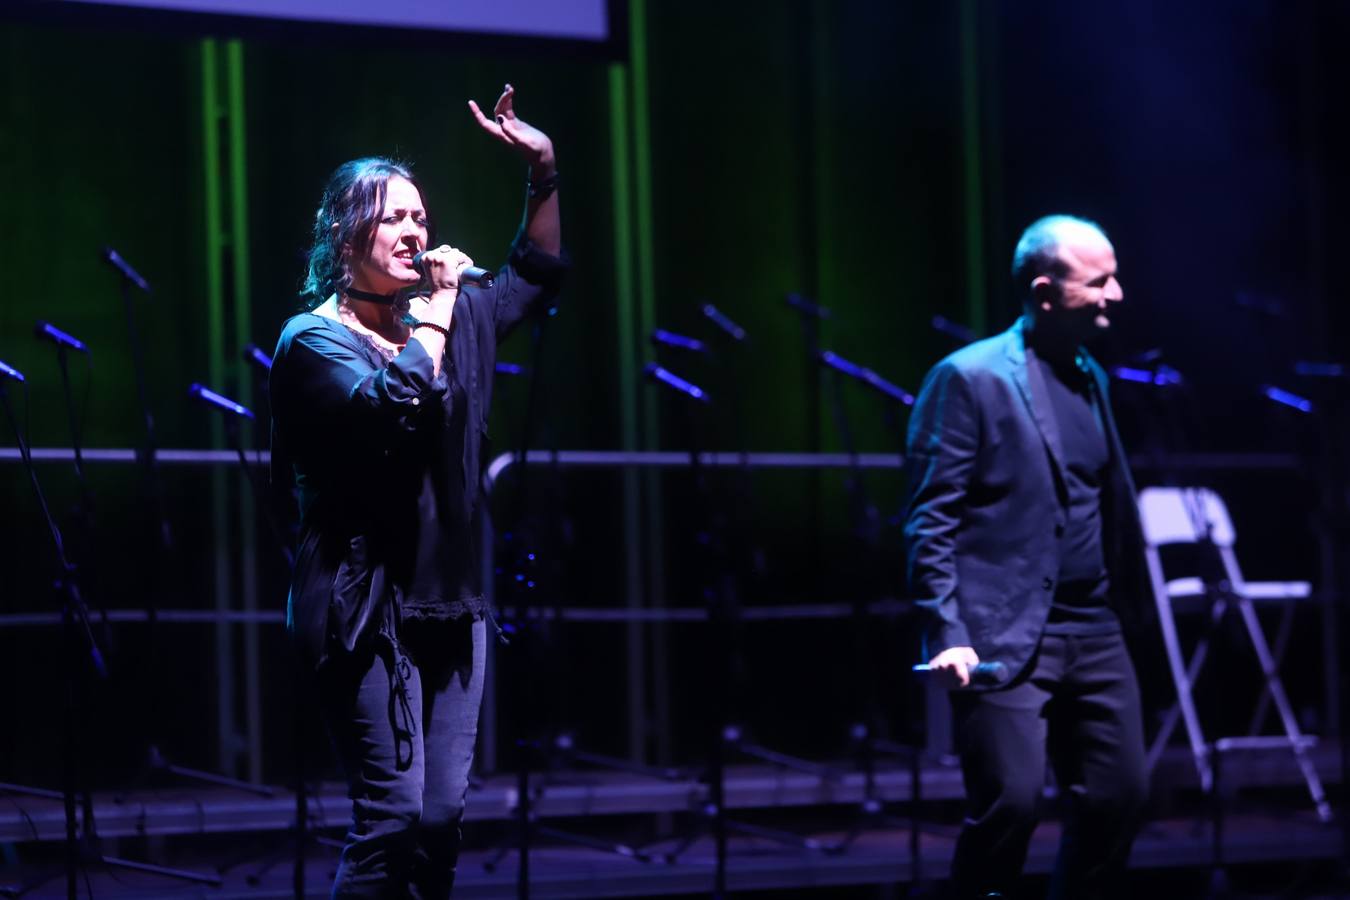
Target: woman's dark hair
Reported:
point(354, 202)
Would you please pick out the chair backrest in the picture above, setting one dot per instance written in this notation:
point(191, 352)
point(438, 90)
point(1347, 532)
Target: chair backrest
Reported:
point(1172, 515)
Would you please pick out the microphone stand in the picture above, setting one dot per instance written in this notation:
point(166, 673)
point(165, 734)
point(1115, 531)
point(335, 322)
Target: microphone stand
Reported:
point(74, 624)
point(867, 532)
point(728, 386)
point(85, 518)
point(524, 745)
point(719, 623)
point(281, 542)
point(85, 514)
point(811, 316)
point(161, 545)
point(722, 613)
point(86, 534)
point(279, 539)
point(736, 554)
point(719, 587)
point(76, 629)
point(285, 538)
point(532, 563)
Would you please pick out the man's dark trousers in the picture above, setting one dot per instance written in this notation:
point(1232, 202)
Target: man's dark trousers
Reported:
point(1078, 700)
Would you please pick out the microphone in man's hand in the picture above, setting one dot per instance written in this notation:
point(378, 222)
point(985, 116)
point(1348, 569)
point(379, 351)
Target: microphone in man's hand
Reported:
point(987, 673)
point(993, 672)
point(471, 274)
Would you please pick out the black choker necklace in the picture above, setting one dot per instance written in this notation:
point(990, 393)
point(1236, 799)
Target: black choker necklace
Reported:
point(384, 299)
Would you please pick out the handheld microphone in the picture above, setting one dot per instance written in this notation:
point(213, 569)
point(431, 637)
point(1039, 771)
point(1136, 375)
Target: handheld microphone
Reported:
point(50, 332)
point(661, 337)
point(718, 318)
point(664, 376)
point(8, 371)
point(472, 274)
point(112, 258)
point(990, 673)
point(211, 398)
point(254, 354)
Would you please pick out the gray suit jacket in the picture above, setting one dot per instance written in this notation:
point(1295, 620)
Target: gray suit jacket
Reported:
point(988, 502)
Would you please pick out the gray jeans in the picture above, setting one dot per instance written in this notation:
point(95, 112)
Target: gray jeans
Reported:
point(404, 717)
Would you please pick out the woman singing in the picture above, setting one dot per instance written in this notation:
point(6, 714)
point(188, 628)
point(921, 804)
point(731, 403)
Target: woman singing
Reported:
point(380, 396)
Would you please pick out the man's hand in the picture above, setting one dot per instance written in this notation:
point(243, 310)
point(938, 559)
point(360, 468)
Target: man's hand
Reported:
point(532, 144)
point(953, 665)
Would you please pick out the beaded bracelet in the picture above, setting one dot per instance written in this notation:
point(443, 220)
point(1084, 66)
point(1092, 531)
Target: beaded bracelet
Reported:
point(422, 323)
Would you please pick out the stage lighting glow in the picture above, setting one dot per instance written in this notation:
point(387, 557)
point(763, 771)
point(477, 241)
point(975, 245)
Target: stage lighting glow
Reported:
point(577, 20)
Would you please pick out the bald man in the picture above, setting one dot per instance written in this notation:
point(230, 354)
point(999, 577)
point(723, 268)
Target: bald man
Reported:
point(1023, 538)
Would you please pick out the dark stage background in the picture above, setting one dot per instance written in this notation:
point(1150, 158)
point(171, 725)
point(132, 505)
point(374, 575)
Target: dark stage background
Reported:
point(880, 158)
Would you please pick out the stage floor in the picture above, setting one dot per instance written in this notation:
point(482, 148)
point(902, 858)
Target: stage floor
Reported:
point(242, 839)
point(877, 857)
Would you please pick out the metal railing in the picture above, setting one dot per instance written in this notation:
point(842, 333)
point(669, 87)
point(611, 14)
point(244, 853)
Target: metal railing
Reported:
point(634, 611)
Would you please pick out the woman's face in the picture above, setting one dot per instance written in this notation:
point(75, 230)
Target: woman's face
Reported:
point(401, 232)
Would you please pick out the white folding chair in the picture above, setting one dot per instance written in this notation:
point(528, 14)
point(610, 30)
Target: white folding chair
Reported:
point(1198, 516)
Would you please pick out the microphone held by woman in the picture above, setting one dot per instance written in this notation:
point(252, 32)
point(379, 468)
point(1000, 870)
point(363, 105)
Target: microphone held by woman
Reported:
point(471, 274)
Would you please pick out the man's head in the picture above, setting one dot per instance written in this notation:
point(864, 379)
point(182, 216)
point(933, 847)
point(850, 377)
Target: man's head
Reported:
point(1064, 269)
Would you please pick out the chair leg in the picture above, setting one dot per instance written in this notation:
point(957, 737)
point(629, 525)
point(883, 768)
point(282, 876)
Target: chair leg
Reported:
point(1284, 708)
point(1172, 716)
point(1258, 719)
point(1180, 678)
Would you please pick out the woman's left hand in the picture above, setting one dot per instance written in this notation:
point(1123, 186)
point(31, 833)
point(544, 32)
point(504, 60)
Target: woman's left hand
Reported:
point(532, 144)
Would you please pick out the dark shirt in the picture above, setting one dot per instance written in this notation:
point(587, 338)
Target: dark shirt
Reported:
point(386, 454)
point(436, 571)
point(1080, 602)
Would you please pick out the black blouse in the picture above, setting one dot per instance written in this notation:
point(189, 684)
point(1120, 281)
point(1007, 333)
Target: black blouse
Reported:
point(386, 457)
